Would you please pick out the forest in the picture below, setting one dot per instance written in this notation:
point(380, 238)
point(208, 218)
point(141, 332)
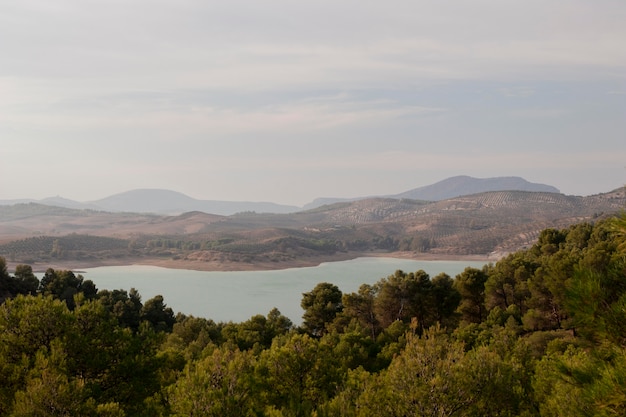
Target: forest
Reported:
point(542, 332)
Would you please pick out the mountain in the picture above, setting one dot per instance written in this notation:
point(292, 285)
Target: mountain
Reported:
point(465, 185)
point(172, 202)
point(488, 224)
point(159, 201)
point(450, 188)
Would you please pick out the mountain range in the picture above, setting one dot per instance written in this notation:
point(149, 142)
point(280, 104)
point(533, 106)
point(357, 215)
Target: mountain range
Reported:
point(169, 202)
point(486, 224)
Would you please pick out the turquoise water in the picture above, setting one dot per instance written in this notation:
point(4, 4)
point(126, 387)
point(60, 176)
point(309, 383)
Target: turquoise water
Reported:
point(238, 295)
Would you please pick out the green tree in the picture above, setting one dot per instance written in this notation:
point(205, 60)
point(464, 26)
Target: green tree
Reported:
point(435, 376)
point(257, 332)
point(126, 307)
point(6, 281)
point(49, 391)
point(54, 357)
point(507, 282)
point(277, 324)
point(192, 335)
point(361, 307)
point(403, 296)
point(445, 300)
point(297, 372)
point(63, 285)
point(471, 286)
point(321, 306)
point(27, 281)
point(219, 385)
point(24, 281)
point(27, 324)
point(558, 384)
point(158, 314)
point(597, 304)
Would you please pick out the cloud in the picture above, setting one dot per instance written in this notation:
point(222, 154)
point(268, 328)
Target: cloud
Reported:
point(343, 87)
point(179, 116)
point(278, 44)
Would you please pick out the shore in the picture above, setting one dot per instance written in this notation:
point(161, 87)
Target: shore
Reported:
point(78, 265)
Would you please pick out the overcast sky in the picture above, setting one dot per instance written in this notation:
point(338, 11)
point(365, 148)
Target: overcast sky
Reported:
point(286, 101)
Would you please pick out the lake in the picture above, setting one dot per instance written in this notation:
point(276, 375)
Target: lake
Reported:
point(238, 295)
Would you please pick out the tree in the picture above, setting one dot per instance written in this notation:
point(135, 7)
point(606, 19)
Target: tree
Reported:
point(445, 300)
point(422, 308)
point(277, 324)
point(471, 286)
point(435, 376)
point(27, 324)
point(126, 307)
point(257, 332)
point(191, 335)
point(54, 357)
point(6, 281)
point(218, 385)
point(321, 306)
point(558, 384)
point(158, 314)
point(361, 306)
point(24, 281)
point(49, 391)
point(27, 281)
point(298, 372)
point(402, 296)
point(62, 285)
point(507, 283)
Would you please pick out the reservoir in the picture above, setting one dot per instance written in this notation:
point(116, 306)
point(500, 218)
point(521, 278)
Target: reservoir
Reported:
point(238, 295)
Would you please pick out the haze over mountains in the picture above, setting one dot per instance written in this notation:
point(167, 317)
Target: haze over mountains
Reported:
point(159, 201)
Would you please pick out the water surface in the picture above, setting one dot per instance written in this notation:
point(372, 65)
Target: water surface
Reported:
point(238, 295)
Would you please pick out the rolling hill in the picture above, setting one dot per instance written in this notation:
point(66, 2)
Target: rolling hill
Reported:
point(487, 224)
point(464, 185)
point(454, 187)
point(171, 202)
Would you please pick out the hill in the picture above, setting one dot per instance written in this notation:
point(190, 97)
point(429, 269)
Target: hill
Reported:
point(487, 225)
point(453, 187)
point(171, 202)
point(464, 185)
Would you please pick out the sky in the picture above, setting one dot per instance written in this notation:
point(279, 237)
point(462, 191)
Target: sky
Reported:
point(287, 101)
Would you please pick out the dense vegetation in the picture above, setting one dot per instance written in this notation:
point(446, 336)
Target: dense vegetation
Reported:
point(540, 333)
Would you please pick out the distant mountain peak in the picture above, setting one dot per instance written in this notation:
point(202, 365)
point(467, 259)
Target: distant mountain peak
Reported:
point(452, 187)
point(160, 201)
point(163, 201)
point(465, 185)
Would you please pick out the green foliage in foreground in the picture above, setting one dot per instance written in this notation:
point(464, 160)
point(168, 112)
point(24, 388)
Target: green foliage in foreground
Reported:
point(540, 333)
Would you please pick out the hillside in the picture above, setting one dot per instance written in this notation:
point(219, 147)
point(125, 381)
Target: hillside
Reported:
point(485, 224)
point(464, 185)
point(453, 187)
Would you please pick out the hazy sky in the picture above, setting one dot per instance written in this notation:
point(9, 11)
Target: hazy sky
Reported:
point(286, 101)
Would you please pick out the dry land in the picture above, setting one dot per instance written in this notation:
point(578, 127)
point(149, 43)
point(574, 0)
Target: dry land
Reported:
point(77, 265)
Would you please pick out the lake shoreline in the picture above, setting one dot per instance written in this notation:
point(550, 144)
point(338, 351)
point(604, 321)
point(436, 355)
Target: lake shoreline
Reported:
point(208, 266)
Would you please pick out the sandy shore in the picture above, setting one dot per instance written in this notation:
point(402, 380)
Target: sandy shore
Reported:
point(78, 265)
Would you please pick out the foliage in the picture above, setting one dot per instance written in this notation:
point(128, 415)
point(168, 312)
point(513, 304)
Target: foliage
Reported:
point(218, 385)
point(540, 333)
point(321, 306)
